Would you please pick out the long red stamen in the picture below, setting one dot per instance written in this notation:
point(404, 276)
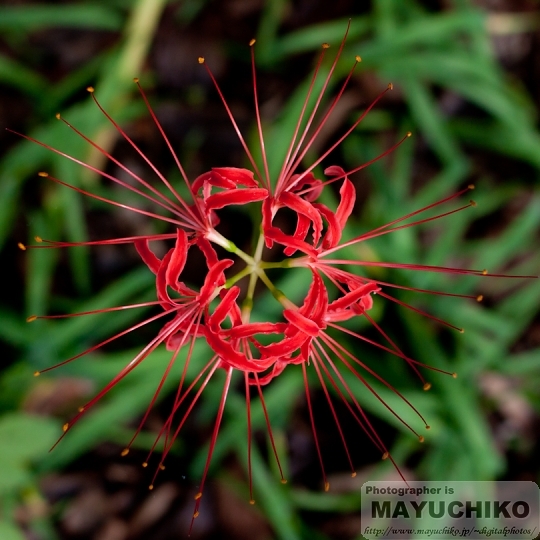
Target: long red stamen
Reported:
point(379, 232)
point(43, 243)
point(108, 340)
point(313, 429)
point(145, 352)
point(213, 440)
point(114, 203)
point(174, 155)
point(182, 379)
point(397, 353)
point(316, 359)
point(269, 427)
point(187, 213)
point(421, 312)
point(367, 163)
point(258, 116)
point(249, 437)
point(231, 117)
point(293, 161)
point(363, 420)
point(113, 179)
point(282, 175)
point(341, 352)
point(319, 129)
point(337, 273)
point(212, 364)
point(160, 386)
point(32, 318)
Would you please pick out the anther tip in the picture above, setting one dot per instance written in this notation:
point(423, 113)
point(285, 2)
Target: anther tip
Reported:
point(151, 487)
point(353, 475)
point(37, 373)
point(43, 174)
point(90, 89)
point(484, 272)
point(386, 455)
point(252, 501)
point(21, 246)
point(144, 464)
point(196, 515)
point(471, 186)
point(427, 386)
point(283, 481)
point(390, 86)
point(326, 45)
point(198, 496)
point(409, 133)
point(58, 116)
point(31, 318)
point(472, 203)
point(136, 80)
point(200, 59)
point(421, 439)
point(124, 452)
point(252, 42)
point(480, 297)
point(81, 409)
point(38, 239)
point(358, 58)
point(162, 467)
point(428, 427)
point(65, 427)
point(462, 330)
point(454, 375)
point(326, 486)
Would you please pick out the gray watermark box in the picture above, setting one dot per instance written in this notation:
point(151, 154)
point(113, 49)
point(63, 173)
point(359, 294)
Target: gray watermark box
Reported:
point(440, 510)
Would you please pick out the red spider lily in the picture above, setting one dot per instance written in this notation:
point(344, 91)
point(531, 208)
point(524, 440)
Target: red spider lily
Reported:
point(304, 334)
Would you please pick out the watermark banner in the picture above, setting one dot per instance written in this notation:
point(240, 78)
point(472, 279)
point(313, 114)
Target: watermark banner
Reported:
point(440, 510)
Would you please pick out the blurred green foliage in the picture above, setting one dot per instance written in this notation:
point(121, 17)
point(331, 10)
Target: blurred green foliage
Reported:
point(422, 53)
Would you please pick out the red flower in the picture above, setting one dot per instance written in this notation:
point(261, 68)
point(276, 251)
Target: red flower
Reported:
point(304, 334)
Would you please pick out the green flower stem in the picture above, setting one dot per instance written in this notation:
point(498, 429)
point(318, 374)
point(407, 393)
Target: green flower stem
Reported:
point(231, 247)
point(285, 263)
point(276, 293)
point(247, 306)
point(247, 271)
point(254, 269)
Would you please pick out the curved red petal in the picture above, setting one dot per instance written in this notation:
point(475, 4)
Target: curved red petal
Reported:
point(305, 325)
point(214, 279)
point(301, 206)
point(354, 296)
point(178, 259)
point(237, 176)
point(251, 329)
point(235, 196)
point(302, 228)
point(309, 180)
point(148, 257)
point(333, 233)
point(161, 281)
point(285, 347)
point(276, 235)
point(224, 307)
point(346, 204)
point(200, 181)
point(267, 216)
point(232, 357)
point(208, 251)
